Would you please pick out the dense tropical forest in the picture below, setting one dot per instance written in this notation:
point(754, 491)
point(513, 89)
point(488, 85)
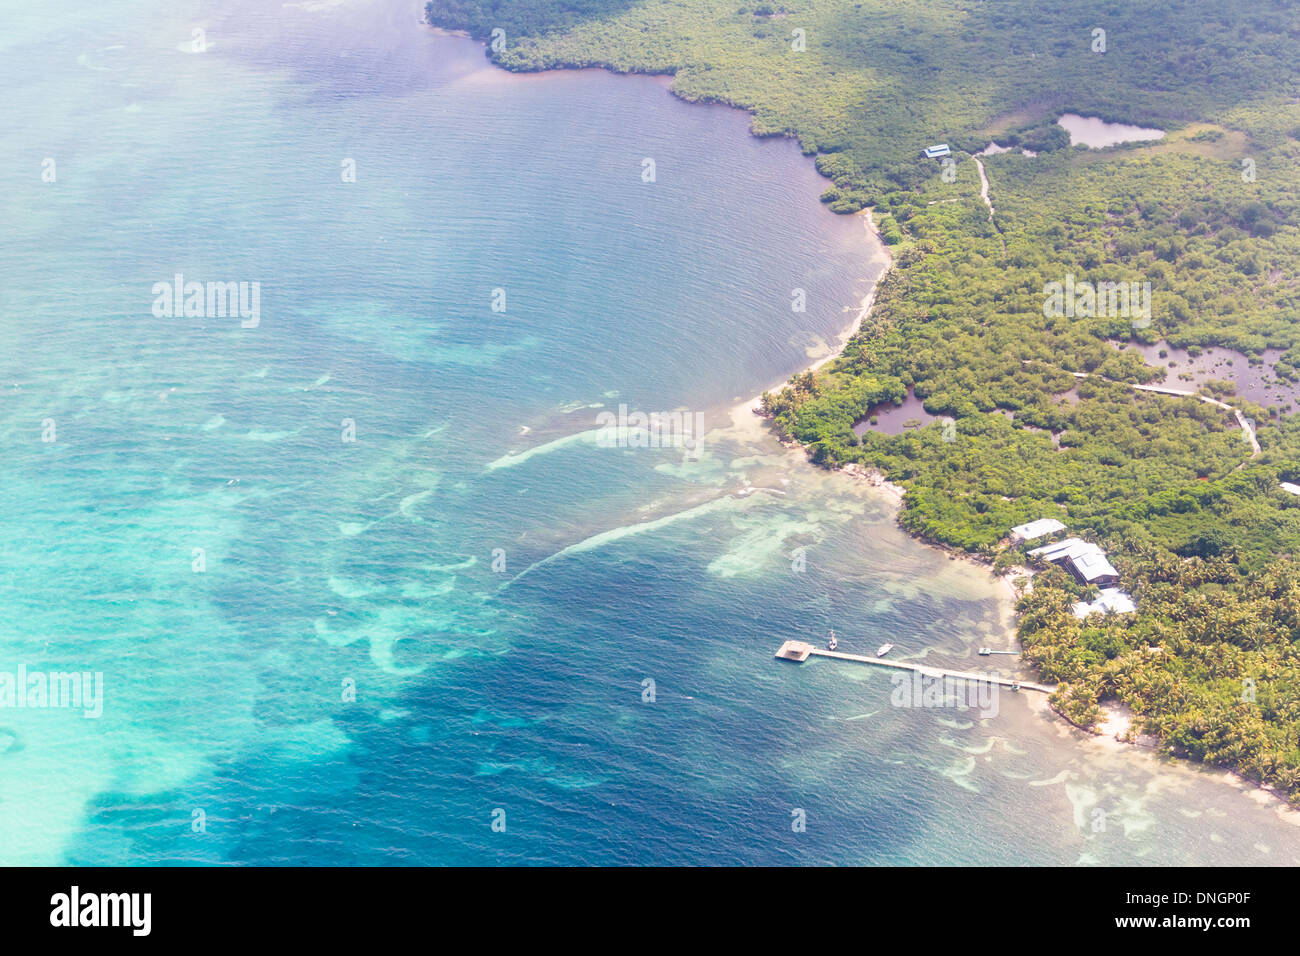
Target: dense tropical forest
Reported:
point(1196, 522)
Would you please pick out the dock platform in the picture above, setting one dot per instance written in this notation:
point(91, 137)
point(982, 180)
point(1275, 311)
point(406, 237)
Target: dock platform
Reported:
point(796, 651)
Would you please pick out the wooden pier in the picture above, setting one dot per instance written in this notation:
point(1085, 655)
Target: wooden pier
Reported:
point(798, 651)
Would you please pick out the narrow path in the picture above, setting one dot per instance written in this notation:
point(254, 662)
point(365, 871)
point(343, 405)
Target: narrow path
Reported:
point(1247, 430)
point(984, 195)
point(984, 186)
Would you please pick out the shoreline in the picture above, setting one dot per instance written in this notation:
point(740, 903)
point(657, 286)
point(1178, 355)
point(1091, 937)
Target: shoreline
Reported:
point(1114, 735)
point(880, 254)
point(894, 494)
point(1114, 731)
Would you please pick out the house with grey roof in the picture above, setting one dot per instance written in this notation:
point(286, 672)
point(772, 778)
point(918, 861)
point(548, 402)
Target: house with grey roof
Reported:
point(1085, 560)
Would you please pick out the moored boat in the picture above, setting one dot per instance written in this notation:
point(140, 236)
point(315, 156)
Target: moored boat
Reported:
point(884, 649)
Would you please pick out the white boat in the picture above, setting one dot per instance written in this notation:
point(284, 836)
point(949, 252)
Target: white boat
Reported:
point(832, 643)
point(884, 649)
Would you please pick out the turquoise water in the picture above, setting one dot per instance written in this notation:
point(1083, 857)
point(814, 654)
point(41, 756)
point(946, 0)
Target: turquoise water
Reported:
point(393, 638)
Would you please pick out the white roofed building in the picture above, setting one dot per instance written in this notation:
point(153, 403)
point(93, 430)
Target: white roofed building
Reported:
point(1035, 529)
point(1110, 599)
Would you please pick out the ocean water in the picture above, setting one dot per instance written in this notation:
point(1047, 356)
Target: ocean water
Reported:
point(330, 651)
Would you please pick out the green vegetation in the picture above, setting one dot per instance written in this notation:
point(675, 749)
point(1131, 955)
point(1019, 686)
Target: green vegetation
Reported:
point(1209, 216)
point(879, 80)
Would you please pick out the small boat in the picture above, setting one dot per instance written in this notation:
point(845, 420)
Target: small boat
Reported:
point(832, 643)
point(884, 649)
